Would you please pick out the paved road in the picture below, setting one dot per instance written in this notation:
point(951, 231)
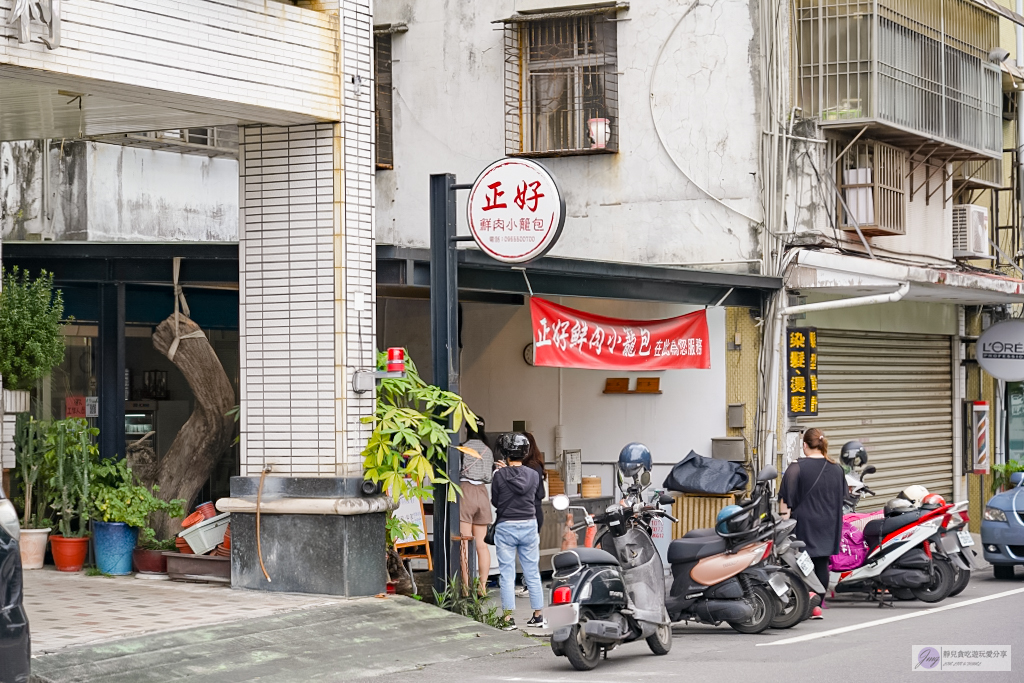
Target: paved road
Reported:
point(876, 648)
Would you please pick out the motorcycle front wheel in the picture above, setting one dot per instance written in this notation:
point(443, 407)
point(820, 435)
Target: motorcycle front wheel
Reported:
point(582, 652)
point(661, 642)
point(941, 585)
point(791, 613)
point(763, 603)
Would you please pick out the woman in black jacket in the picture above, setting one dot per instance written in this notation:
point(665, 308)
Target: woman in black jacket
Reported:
point(812, 493)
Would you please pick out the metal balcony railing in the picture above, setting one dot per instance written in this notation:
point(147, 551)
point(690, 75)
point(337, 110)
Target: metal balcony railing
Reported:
point(915, 72)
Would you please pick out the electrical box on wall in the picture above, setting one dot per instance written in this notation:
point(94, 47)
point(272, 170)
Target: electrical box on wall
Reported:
point(734, 416)
point(977, 451)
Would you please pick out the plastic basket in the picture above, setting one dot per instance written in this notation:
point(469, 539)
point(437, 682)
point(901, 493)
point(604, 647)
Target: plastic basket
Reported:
point(206, 535)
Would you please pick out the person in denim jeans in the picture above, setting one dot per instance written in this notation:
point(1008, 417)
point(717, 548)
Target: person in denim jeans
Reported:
point(515, 492)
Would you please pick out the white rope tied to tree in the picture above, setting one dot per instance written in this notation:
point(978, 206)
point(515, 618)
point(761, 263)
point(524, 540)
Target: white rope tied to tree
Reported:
point(179, 305)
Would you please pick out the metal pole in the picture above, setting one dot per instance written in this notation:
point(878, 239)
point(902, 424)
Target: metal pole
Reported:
point(1016, 220)
point(110, 375)
point(444, 335)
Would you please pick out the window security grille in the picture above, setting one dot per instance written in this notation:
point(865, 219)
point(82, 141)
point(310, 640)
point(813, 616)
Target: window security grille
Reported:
point(384, 100)
point(918, 67)
point(872, 177)
point(561, 86)
point(213, 141)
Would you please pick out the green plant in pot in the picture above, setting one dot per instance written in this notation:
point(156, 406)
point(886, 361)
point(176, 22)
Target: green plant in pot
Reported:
point(31, 451)
point(408, 449)
point(31, 342)
point(121, 507)
point(73, 454)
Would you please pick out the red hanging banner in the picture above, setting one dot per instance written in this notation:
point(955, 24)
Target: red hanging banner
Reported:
point(567, 338)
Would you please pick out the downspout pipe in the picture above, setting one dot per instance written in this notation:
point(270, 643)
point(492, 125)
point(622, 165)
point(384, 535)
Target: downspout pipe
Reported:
point(1020, 111)
point(778, 341)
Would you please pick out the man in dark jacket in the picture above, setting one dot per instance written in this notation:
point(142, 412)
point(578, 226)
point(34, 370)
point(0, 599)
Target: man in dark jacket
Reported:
point(515, 493)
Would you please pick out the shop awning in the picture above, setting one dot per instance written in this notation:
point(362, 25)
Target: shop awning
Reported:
point(405, 273)
point(843, 275)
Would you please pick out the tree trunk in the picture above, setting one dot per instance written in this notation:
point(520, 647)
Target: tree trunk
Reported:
point(191, 458)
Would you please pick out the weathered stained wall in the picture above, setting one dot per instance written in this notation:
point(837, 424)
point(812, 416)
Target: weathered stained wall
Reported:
point(104, 192)
point(687, 118)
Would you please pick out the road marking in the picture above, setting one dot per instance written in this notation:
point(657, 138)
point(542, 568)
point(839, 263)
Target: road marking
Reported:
point(889, 620)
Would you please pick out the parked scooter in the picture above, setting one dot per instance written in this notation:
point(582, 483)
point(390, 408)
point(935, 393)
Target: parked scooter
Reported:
point(722, 577)
point(905, 553)
point(601, 598)
point(796, 568)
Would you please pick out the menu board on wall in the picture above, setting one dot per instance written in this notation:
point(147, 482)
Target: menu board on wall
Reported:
point(802, 371)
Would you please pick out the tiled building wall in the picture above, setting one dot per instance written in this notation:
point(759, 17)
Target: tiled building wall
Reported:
point(251, 55)
point(307, 278)
point(359, 259)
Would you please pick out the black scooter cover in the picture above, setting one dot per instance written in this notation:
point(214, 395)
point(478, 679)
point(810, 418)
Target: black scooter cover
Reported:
point(698, 474)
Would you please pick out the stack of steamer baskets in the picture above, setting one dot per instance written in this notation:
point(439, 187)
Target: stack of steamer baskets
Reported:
point(206, 533)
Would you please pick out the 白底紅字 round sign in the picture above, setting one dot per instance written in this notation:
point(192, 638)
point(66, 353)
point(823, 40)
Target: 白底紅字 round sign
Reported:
point(516, 210)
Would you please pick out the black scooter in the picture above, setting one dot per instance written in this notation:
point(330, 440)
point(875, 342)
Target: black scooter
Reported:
point(603, 597)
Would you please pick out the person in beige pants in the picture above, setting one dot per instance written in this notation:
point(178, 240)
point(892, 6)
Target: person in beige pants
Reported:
point(475, 506)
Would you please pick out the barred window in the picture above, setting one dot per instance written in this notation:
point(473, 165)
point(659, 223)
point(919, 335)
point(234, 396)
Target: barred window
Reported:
point(383, 87)
point(561, 89)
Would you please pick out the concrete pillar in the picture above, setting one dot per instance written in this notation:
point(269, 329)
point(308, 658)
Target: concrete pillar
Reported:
point(307, 323)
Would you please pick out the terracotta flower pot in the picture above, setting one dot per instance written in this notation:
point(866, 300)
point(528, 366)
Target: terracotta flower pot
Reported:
point(149, 561)
point(207, 509)
point(33, 547)
point(69, 553)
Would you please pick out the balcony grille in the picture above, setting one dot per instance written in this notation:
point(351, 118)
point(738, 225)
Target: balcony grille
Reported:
point(918, 69)
point(384, 95)
point(872, 177)
point(561, 86)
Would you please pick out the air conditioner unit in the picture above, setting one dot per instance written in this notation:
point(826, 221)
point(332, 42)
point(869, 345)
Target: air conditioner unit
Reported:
point(970, 231)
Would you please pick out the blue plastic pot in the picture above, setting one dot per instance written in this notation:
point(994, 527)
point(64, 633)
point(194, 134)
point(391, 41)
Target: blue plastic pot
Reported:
point(113, 543)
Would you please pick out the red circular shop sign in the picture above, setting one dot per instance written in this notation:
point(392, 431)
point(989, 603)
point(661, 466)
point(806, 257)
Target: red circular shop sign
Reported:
point(516, 211)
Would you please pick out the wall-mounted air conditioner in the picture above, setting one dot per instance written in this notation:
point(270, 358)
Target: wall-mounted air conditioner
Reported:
point(970, 231)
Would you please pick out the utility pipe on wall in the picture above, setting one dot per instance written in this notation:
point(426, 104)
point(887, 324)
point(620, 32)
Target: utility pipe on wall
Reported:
point(1020, 110)
point(777, 344)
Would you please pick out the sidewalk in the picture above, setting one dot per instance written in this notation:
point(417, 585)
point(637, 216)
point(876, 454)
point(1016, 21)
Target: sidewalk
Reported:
point(127, 630)
point(75, 609)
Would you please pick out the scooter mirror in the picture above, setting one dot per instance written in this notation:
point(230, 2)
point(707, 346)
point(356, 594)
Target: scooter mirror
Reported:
point(870, 469)
point(560, 502)
point(768, 473)
point(665, 499)
point(645, 479)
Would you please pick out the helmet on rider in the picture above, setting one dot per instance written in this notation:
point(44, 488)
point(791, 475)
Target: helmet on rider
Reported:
point(635, 458)
point(933, 500)
point(898, 506)
point(853, 454)
point(915, 494)
point(732, 525)
point(514, 446)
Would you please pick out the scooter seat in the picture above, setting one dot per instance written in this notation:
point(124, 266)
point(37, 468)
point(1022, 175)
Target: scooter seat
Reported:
point(700, 533)
point(567, 559)
point(695, 548)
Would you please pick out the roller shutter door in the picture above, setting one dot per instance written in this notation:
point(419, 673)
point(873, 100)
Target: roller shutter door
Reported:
point(894, 393)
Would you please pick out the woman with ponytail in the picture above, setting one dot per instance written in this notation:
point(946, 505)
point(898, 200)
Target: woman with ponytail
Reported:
point(812, 493)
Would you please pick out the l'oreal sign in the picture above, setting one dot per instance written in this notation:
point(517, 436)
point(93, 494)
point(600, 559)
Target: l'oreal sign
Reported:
point(1000, 350)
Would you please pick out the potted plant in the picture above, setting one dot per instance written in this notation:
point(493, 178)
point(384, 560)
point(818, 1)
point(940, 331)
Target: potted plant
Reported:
point(31, 342)
point(30, 448)
point(74, 454)
point(148, 556)
point(120, 508)
point(407, 452)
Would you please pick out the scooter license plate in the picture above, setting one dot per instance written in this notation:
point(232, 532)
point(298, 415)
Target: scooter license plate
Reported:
point(803, 561)
point(558, 616)
point(965, 538)
point(778, 584)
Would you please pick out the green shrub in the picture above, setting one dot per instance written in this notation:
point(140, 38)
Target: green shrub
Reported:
point(1001, 474)
point(31, 343)
point(118, 497)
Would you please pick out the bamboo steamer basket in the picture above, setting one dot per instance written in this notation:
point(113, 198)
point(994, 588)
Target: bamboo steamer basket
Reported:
point(591, 487)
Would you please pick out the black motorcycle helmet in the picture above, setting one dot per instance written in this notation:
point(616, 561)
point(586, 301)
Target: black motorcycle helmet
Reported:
point(853, 454)
point(514, 446)
point(635, 458)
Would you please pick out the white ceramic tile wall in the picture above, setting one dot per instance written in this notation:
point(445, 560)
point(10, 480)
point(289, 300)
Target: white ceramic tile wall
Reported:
point(307, 279)
point(237, 58)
